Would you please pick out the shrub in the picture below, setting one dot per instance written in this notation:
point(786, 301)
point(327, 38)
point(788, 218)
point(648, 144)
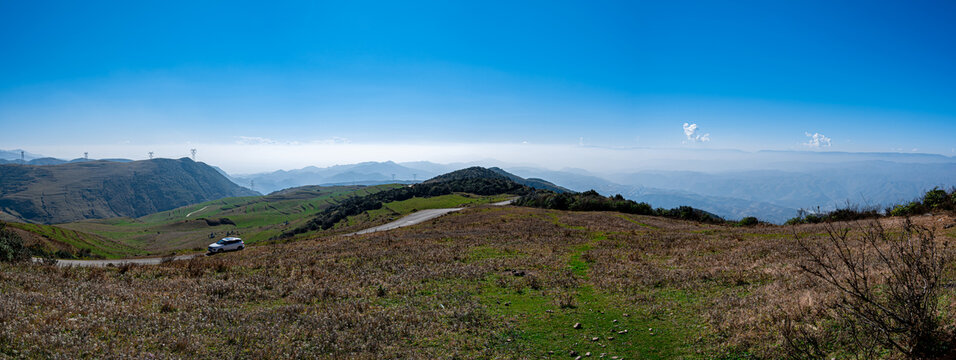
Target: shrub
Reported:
point(168, 258)
point(748, 221)
point(848, 213)
point(913, 208)
point(11, 246)
point(592, 201)
point(889, 287)
point(936, 198)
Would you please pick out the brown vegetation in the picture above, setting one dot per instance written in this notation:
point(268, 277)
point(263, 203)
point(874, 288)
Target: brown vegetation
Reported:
point(466, 285)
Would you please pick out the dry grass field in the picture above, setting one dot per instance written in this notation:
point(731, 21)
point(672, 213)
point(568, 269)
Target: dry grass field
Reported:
point(487, 282)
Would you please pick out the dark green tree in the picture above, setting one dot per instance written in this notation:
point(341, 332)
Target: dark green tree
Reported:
point(11, 246)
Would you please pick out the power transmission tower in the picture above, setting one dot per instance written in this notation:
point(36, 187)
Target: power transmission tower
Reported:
point(86, 155)
point(393, 177)
point(151, 155)
point(193, 151)
point(23, 159)
point(252, 185)
point(414, 177)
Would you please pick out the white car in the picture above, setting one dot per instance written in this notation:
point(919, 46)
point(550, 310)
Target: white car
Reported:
point(226, 244)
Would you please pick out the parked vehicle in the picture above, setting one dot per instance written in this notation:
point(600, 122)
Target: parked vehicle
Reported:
point(226, 244)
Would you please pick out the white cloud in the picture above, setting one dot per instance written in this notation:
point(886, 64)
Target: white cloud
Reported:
point(332, 141)
point(690, 130)
point(817, 140)
point(254, 140)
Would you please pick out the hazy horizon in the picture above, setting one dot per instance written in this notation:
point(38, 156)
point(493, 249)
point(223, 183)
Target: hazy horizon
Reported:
point(265, 159)
point(592, 86)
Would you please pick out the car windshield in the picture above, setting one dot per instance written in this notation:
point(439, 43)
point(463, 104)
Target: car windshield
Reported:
point(222, 242)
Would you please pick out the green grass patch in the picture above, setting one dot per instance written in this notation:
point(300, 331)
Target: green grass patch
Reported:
point(480, 253)
point(629, 219)
point(396, 209)
point(256, 218)
point(97, 246)
point(661, 330)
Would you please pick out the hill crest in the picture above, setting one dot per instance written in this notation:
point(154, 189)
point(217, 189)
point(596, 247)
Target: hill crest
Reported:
point(103, 189)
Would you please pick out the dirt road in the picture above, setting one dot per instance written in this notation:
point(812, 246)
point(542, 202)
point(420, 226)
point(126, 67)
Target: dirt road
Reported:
point(117, 262)
point(408, 220)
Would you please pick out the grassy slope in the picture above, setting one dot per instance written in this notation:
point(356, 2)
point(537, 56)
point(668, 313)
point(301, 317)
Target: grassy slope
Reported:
point(101, 189)
point(396, 209)
point(52, 238)
point(257, 218)
point(482, 283)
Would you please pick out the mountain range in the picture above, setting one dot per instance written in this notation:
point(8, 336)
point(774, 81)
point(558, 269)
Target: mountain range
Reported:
point(102, 189)
point(774, 192)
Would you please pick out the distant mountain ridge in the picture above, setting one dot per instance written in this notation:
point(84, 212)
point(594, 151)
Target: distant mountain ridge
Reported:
point(774, 190)
point(496, 173)
point(104, 189)
point(366, 173)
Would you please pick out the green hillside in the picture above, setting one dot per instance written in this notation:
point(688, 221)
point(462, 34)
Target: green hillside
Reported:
point(393, 210)
point(254, 218)
point(105, 189)
point(56, 241)
point(190, 228)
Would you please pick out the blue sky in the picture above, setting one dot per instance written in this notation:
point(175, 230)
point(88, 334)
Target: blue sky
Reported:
point(119, 77)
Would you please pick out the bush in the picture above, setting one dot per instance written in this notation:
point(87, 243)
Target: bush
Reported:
point(848, 213)
point(913, 208)
point(11, 246)
point(748, 221)
point(936, 198)
point(592, 201)
point(890, 288)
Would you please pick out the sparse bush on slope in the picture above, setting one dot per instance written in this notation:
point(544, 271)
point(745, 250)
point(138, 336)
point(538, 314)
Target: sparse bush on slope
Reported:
point(848, 213)
point(934, 200)
point(11, 246)
point(889, 287)
point(748, 221)
point(592, 201)
point(937, 199)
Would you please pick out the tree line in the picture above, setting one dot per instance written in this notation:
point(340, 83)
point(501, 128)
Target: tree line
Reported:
point(592, 201)
point(357, 205)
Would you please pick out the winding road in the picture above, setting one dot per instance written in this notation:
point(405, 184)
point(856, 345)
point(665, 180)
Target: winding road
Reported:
point(408, 220)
